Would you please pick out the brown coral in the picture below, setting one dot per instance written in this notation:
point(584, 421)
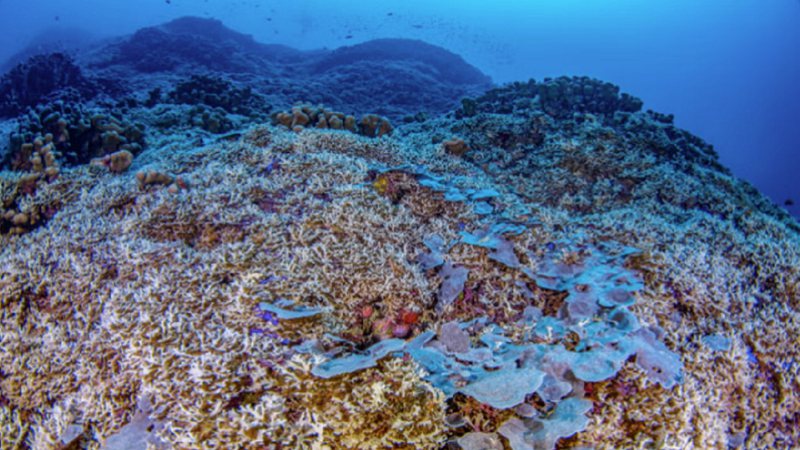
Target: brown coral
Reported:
point(456, 147)
point(116, 162)
point(154, 177)
point(304, 115)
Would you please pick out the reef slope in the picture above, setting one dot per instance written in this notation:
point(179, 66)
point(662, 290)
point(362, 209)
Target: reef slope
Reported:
point(233, 290)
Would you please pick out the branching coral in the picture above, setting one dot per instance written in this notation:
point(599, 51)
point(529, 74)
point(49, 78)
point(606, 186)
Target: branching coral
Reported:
point(159, 297)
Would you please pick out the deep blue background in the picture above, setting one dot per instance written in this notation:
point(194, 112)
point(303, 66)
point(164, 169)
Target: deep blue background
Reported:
point(727, 69)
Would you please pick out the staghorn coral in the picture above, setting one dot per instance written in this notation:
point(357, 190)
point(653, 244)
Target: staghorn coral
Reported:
point(389, 406)
point(14, 430)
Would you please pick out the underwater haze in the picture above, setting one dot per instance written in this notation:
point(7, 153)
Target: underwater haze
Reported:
point(727, 70)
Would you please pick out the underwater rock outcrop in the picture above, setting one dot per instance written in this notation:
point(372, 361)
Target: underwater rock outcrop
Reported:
point(393, 79)
point(408, 76)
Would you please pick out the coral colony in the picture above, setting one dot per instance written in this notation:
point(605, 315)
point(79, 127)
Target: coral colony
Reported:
point(543, 265)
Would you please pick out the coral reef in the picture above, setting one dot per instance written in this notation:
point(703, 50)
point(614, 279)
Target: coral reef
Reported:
point(448, 66)
point(79, 133)
point(217, 92)
point(304, 115)
point(548, 267)
point(42, 76)
point(558, 97)
point(342, 227)
point(394, 78)
point(190, 42)
point(590, 161)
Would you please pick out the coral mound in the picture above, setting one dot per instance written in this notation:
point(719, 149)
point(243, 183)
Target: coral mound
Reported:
point(41, 76)
point(559, 97)
point(448, 66)
point(186, 42)
point(79, 133)
point(325, 289)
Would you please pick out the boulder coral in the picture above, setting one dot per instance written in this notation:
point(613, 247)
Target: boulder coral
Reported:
point(218, 92)
point(38, 79)
point(558, 97)
point(455, 147)
point(116, 162)
point(80, 134)
point(307, 116)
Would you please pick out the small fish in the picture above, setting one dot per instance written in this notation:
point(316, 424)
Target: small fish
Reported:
point(349, 36)
point(788, 202)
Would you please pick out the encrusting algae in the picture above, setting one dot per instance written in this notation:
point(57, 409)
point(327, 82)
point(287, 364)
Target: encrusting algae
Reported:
point(136, 293)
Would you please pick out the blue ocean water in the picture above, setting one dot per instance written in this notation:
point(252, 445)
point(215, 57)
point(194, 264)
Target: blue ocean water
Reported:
point(727, 70)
